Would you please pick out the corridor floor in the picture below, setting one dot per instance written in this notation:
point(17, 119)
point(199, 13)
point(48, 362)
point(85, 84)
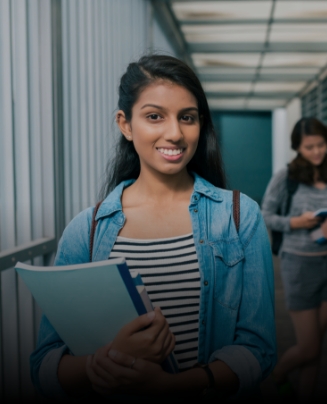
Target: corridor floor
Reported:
point(285, 339)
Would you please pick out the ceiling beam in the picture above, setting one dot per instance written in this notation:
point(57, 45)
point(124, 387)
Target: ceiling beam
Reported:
point(249, 77)
point(307, 47)
point(215, 1)
point(261, 95)
point(254, 22)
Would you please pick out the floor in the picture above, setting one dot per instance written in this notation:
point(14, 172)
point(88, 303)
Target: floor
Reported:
point(285, 339)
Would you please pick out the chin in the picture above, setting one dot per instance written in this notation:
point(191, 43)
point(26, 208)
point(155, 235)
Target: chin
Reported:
point(317, 163)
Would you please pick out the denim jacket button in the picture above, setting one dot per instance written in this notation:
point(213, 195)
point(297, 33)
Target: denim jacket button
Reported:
point(203, 322)
point(206, 283)
point(195, 210)
point(201, 241)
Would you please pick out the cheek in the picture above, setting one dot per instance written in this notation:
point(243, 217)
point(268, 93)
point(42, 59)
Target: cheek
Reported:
point(194, 136)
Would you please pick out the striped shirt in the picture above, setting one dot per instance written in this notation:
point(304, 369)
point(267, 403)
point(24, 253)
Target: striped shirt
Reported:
point(170, 271)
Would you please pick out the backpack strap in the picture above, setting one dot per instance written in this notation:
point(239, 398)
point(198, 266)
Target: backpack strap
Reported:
point(292, 186)
point(236, 208)
point(93, 227)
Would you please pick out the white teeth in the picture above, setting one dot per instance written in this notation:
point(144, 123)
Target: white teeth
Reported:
point(170, 152)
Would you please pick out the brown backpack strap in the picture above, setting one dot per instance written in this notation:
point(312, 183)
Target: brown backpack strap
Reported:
point(236, 208)
point(93, 226)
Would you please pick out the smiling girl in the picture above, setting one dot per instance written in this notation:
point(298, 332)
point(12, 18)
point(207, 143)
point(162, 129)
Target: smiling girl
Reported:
point(303, 262)
point(165, 209)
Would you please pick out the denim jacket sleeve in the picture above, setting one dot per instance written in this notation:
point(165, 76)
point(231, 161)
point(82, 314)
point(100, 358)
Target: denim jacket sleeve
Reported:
point(252, 355)
point(50, 348)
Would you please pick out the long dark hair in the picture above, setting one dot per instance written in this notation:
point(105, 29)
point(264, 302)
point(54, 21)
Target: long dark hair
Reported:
point(299, 168)
point(206, 161)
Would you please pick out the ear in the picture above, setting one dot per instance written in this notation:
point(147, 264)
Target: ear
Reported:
point(124, 125)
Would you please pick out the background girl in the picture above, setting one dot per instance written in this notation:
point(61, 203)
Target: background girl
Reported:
point(167, 212)
point(303, 262)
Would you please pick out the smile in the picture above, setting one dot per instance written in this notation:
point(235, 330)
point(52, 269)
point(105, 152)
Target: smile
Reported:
point(170, 152)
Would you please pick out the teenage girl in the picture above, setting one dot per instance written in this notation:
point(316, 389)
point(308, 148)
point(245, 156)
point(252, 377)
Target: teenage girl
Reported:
point(167, 212)
point(303, 262)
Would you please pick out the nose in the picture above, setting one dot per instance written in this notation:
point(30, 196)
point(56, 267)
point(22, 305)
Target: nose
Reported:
point(173, 131)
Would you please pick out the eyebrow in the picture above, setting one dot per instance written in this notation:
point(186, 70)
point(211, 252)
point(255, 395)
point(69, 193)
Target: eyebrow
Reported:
point(162, 108)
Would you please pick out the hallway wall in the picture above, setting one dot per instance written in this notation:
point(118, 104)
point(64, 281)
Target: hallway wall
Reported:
point(60, 64)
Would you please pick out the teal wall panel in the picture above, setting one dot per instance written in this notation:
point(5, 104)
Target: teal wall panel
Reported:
point(245, 139)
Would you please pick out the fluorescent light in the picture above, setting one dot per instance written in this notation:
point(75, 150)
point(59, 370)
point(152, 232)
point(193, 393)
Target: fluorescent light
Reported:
point(226, 103)
point(301, 9)
point(223, 70)
point(225, 33)
point(262, 103)
point(224, 87)
point(294, 59)
point(279, 86)
point(226, 59)
point(222, 10)
point(289, 70)
point(298, 33)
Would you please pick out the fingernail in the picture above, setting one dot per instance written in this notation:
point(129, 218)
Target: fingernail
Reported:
point(151, 315)
point(112, 353)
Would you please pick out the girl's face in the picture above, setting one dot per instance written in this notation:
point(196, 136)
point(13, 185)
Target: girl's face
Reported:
point(165, 127)
point(313, 148)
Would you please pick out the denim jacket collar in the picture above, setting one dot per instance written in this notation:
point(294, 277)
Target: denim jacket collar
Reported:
point(112, 203)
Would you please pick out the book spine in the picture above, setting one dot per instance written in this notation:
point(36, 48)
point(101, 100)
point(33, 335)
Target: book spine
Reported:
point(130, 286)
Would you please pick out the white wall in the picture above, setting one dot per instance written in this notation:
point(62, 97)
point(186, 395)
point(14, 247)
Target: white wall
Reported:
point(283, 120)
point(98, 40)
point(294, 113)
point(160, 42)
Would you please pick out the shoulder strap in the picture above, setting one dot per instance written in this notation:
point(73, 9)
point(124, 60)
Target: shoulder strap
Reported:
point(236, 208)
point(291, 186)
point(93, 227)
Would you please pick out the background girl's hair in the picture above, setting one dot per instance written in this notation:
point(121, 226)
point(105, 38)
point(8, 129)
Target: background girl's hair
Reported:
point(206, 161)
point(299, 168)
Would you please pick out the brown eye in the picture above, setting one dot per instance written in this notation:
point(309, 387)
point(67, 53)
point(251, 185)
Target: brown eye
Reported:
point(187, 118)
point(154, 117)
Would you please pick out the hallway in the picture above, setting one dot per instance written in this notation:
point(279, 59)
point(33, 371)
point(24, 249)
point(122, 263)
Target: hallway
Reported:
point(286, 338)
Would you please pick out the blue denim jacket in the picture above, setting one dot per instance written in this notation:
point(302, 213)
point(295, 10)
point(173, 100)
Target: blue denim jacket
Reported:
point(236, 320)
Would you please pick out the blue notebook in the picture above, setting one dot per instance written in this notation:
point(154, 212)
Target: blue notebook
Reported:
point(88, 304)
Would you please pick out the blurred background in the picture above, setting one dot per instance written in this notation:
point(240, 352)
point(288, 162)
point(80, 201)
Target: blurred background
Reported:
point(263, 65)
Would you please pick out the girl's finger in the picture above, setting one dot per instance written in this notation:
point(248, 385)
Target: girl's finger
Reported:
point(104, 377)
point(127, 361)
point(169, 344)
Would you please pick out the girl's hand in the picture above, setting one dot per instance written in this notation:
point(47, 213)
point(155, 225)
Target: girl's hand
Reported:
point(115, 373)
point(95, 372)
point(306, 221)
point(147, 337)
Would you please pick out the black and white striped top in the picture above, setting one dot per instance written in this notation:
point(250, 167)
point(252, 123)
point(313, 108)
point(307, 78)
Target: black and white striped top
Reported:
point(170, 271)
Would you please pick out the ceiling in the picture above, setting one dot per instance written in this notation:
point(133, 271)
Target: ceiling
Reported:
point(252, 54)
